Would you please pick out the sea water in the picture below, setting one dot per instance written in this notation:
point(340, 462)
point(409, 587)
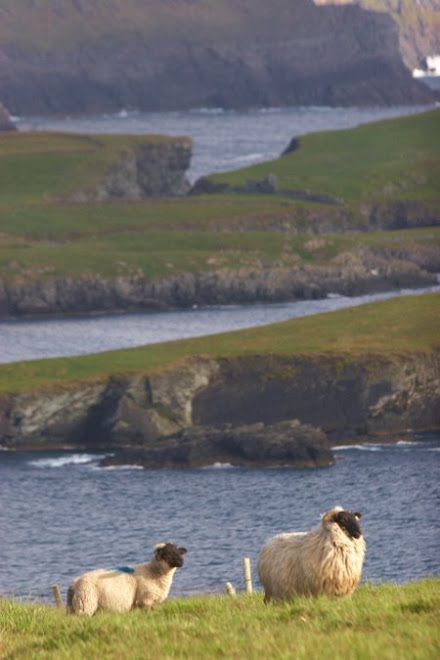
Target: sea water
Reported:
point(61, 514)
point(43, 338)
point(224, 140)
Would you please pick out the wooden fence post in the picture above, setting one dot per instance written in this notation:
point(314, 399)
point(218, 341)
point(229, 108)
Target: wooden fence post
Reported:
point(57, 595)
point(247, 575)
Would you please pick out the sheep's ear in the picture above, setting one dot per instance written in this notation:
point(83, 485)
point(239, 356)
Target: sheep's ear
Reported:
point(357, 515)
point(158, 546)
point(182, 551)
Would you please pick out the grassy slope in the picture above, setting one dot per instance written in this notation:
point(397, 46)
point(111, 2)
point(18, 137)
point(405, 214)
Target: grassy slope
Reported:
point(396, 159)
point(42, 235)
point(396, 326)
point(385, 621)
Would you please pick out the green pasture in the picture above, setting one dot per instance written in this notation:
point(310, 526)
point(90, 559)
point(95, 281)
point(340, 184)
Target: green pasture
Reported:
point(44, 233)
point(396, 326)
point(390, 160)
point(387, 621)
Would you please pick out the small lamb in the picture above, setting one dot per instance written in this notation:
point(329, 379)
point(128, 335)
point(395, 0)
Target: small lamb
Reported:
point(123, 589)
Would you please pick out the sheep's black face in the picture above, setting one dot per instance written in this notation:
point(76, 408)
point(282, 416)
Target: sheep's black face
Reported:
point(348, 522)
point(171, 554)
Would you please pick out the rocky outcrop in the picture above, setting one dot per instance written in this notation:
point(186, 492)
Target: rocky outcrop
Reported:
point(350, 273)
point(155, 169)
point(82, 58)
point(418, 22)
point(5, 120)
point(253, 445)
point(240, 410)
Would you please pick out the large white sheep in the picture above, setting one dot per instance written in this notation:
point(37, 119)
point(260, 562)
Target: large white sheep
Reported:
point(123, 589)
point(327, 560)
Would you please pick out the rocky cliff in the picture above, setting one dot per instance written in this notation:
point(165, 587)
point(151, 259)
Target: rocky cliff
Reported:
point(155, 169)
point(418, 22)
point(260, 410)
point(83, 57)
point(350, 274)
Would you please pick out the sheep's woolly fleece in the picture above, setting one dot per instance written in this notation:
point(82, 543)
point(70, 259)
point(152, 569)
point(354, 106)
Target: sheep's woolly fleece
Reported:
point(326, 560)
point(144, 586)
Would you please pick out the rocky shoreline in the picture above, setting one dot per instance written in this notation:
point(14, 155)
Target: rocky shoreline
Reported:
point(249, 445)
point(350, 274)
point(247, 411)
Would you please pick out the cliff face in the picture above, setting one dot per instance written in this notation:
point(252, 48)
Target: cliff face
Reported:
point(149, 170)
point(418, 23)
point(92, 57)
point(204, 410)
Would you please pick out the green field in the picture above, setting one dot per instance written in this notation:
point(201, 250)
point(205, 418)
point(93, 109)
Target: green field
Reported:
point(44, 234)
point(397, 326)
point(396, 159)
point(386, 621)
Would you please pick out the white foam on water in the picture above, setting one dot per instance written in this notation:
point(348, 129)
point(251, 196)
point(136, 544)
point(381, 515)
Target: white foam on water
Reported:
point(119, 467)
point(366, 447)
point(62, 461)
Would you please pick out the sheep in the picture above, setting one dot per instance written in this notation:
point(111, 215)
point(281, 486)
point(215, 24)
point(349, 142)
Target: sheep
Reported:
point(327, 560)
point(125, 588)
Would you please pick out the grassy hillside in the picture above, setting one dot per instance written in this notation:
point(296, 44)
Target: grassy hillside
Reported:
point(386, 621)
point(399, 325)
point(391, 160)
point(43, 234)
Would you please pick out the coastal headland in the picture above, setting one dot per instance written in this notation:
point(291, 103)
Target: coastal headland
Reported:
point(103, 223)
point(275, 395)
point(87, 228)
point(71, 57)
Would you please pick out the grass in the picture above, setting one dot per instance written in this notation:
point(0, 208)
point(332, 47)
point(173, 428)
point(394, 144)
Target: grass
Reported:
point(396, 326)
point(39, 168)
point(43, 234)
point(395, 159)
point(384, 621)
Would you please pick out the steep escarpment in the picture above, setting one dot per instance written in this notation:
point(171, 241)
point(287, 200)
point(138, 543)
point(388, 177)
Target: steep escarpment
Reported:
point(94, 57)
point(259, 409)
point(418, 23)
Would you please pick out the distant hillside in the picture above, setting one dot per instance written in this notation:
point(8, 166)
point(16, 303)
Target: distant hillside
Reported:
point(78, 56)
point(418, 21)
point(83, 229)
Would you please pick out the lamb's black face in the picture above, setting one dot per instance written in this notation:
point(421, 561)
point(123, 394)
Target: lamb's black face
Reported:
point(348, 522)
point(171, 554)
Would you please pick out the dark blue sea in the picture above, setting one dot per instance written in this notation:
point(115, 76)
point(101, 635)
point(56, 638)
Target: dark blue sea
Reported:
point(60, 514)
